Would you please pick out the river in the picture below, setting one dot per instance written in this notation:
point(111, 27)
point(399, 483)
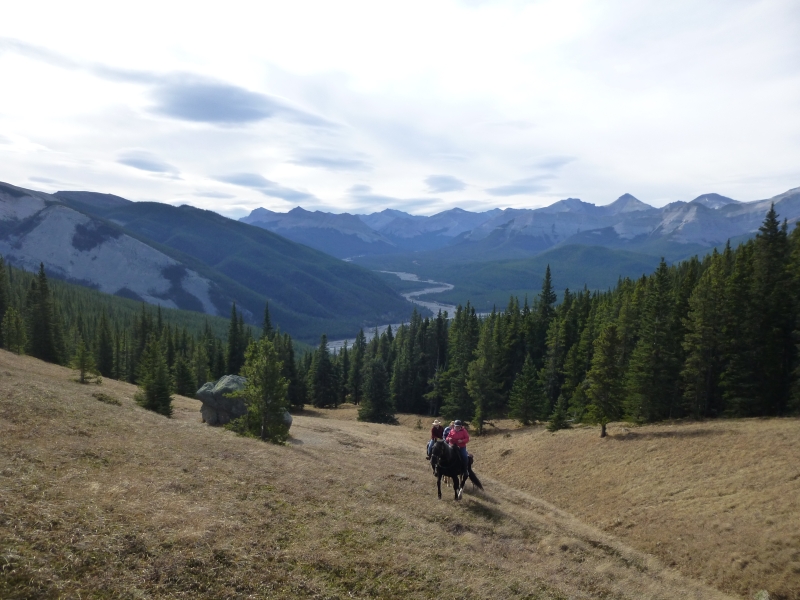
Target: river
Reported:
point(435, 307)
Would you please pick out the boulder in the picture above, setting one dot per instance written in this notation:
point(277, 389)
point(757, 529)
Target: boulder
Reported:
point(220, 407)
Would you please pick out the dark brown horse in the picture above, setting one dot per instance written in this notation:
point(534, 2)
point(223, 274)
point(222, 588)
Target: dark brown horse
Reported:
point(446, 462)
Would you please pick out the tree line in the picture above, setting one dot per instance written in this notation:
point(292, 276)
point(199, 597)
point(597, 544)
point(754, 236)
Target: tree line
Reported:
point(706, 338)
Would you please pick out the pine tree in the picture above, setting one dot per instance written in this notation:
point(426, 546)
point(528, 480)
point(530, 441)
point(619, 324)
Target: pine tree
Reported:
point(5, 298)
point(266, 327)
point(604, 380)
point(83, 362)
point(355, 379)
point(183, 379)
point(559, 418)
point(526, 398)
point(462, 341)
point(265, 392)
point(154, 380)
point(376, 407)
point(321, 377)
point(235, 350)
point(44, 329)
point(483, 385)
point(653, 372)
point(775, 320)
point(703, 343)
point(15, 337)
point(104, 347)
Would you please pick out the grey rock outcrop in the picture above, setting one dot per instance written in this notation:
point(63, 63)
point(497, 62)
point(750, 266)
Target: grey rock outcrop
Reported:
point(220, 406)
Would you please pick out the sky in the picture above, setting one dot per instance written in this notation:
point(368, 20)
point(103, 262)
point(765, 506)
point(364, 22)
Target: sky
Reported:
point(419, 106)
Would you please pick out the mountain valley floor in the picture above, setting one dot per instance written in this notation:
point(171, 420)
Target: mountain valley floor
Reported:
point(100, 498)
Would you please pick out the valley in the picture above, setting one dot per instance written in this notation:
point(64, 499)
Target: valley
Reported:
point(118, 501)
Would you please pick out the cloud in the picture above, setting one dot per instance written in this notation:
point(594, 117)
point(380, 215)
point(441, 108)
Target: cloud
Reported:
point(364, 198)
point(554, 162)
point(265, 186)
point(218, 103)
point(332, 163)
point(146, 161)
point(529, 185)
point(444, 183)
point(56, 59)
point(220, 195)
point(42, 180)
point(182, 96)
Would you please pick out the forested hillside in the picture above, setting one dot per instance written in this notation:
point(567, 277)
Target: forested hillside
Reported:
point(309, 292)
point(50, 319)
point(704, 338)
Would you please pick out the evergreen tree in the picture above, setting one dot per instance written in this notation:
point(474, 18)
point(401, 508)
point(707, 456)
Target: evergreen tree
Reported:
point(559, 418)
point(83, 362)
point(44, 329)
point(265, 392)
point(482, 382)
point(376, 407)
point(266, 327)
point(355, 379)
point(183, 379)
point(154, 380)
point(775, 319)
point(15, 337)
point(236, 340)
point(739, 377)
point(104, 347)
point(462, 341)
point(653, 372)
point(604, 380)
point(5, 298)
point(703, 343)
point(321, 377)
point(526, 397)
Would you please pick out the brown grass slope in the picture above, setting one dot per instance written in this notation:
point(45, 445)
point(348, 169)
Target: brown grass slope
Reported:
point(719, 501)
point(100, 500)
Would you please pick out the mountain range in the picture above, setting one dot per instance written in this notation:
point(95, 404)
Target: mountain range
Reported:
point(184, 257)
point(675, 231)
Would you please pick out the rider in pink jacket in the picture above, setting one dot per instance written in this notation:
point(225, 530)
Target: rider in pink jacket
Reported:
point(459, 438)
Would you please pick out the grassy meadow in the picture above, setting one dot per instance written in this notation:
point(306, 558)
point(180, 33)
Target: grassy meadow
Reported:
point(100, 498)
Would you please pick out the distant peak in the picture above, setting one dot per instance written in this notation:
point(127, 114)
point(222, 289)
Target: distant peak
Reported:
point(626, 197)
point(714, 200)
point(628, 203)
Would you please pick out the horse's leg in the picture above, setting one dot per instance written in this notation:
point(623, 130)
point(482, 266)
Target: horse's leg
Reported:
point(457, 488)
point(439, 485)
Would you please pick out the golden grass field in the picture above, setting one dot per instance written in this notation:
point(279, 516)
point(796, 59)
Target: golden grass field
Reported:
point(100, 500)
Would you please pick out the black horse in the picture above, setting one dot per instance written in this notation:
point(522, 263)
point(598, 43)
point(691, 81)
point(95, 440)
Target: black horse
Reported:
point(446, 462)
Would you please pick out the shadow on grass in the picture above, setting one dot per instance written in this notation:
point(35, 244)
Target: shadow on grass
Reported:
point(630, 436)
point(489, 513)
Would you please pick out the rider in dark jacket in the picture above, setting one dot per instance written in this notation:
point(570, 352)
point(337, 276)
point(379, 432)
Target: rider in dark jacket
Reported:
point(437, 434)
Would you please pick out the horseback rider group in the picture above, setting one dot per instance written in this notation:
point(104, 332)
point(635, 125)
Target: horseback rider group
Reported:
point(455, 435)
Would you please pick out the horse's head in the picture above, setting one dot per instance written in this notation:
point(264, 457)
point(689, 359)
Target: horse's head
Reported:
point(437, 452)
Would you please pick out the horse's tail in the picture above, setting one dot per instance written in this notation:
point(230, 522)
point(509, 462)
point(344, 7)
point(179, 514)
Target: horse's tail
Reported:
point(474, 479)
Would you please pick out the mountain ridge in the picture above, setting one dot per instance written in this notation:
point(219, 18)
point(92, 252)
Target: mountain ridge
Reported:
point(184, 257)
point(704, 222)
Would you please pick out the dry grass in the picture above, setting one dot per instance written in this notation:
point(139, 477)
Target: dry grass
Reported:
point(719, 501)
point(100, 500)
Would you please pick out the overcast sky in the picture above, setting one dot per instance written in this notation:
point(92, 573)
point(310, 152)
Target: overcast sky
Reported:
point(420, 106)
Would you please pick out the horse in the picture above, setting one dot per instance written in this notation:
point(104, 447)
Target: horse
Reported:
point(446, 462)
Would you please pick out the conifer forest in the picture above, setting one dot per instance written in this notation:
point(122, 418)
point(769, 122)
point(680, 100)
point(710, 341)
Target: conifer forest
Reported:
point(704, 338)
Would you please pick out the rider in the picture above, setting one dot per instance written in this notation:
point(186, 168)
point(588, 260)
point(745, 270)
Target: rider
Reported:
point(459, 438)
point(437, 435)
point(448, 429)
